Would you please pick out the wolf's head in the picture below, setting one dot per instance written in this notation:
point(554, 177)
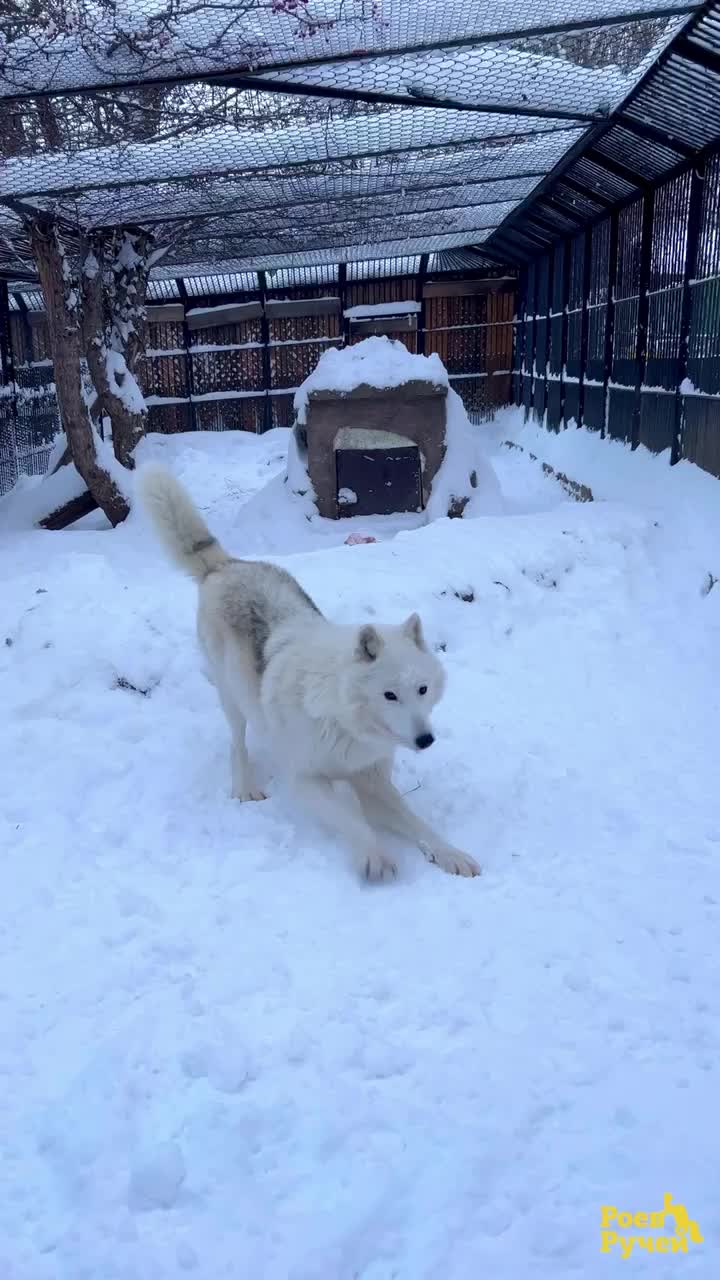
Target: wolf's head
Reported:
point(396, 682)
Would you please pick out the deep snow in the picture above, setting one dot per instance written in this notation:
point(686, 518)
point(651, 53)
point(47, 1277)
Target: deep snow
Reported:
point(222, 1056)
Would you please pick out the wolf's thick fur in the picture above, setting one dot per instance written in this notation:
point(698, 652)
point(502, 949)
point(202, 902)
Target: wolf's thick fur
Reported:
point(316, 688)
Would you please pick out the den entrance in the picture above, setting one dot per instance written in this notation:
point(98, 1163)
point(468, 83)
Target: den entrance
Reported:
point(378, 481)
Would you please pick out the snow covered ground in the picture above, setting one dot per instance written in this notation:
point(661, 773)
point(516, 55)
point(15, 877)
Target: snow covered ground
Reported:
point(222, 1056)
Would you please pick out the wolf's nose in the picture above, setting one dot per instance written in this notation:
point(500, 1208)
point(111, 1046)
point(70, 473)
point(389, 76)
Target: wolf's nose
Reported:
point(424, 740)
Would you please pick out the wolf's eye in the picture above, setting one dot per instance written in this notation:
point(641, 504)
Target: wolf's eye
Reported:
point(422, 689)
point(391, 697)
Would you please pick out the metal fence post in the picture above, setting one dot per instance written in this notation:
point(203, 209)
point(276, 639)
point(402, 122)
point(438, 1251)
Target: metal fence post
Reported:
point(610, 316)
point(7, 368)
point(643, 312)
point(189, 373)
point(342, 291)
point(697, 183)
point(420, 297)
point(6, 358)
point(265, 339)
point(584, 324)
point(567, 259)
point(548, 323)
point(532, 303)
point(518, 360)
point(27, 339)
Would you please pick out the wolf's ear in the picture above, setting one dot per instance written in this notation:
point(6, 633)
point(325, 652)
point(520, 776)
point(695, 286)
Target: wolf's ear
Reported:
point(369, 643)
point(413, 629)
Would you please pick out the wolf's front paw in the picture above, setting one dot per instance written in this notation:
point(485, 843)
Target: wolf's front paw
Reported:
point(253, 793)
point(452, 860)
point(376, 866)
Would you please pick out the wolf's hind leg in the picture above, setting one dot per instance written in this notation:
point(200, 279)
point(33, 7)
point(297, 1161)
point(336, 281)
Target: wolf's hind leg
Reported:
point(244, 785)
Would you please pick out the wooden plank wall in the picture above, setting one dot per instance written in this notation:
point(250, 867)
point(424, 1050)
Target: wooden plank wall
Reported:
point(243, 374)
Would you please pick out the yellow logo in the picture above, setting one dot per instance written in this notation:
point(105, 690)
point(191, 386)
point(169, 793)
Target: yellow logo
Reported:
point(612, 1218)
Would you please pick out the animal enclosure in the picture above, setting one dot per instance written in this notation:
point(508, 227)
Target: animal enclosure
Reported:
point(543, 199)
point(223, 1056)
point(619, 325)
point(232, 356)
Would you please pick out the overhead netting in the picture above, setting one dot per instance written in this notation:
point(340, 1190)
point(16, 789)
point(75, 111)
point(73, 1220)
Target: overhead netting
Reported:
point(262, 134)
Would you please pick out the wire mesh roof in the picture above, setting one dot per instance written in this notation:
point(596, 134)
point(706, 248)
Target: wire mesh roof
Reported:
point(151, 40)
point(469, 173)
point(387, 250)
point(254, 135)
point(669, 120)
point(230, 151)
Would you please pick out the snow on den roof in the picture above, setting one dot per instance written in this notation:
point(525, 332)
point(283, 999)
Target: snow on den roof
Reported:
point(375, 362)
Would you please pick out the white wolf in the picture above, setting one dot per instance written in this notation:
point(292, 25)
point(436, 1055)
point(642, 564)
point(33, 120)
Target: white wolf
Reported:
point(333, 701)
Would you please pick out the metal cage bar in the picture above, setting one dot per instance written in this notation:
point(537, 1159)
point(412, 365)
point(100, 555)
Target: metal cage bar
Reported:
point(643, 308)
point(694, 224)
point(610, 316)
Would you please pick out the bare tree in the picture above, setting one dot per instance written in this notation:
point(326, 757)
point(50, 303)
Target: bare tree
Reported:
point(62, 301)
point(113, 282)
point(95, 280)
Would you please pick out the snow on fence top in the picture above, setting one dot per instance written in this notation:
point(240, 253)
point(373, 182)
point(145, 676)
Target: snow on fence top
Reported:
point(368, 310)
point(376, 362)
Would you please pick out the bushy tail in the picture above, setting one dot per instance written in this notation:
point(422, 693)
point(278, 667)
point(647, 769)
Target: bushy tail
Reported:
point(178, 524)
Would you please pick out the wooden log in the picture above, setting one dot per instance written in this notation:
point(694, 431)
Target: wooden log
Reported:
point(69, 512)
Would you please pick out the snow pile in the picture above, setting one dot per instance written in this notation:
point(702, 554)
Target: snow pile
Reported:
point(465, 484)
point(221, 1054)
point(34, 497)
point(375, 362)
point(621, 474)
point(297, 473)
point(157, 1177)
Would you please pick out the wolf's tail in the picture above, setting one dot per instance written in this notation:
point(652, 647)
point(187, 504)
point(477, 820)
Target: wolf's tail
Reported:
point(178, 524)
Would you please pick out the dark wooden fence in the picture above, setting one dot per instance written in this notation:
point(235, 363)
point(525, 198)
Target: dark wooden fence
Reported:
point(234, 361)
point(619, 326)
point(238, 364)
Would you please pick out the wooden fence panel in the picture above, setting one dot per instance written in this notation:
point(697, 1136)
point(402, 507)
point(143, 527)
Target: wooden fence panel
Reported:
point(236, 365)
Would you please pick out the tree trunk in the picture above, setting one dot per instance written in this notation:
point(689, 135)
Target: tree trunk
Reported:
point(128, 428)
point(113, 330)
point(65, 348)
